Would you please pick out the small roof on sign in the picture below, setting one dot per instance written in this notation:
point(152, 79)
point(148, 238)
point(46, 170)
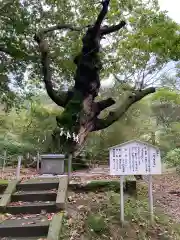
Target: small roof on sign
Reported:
point(133, 141)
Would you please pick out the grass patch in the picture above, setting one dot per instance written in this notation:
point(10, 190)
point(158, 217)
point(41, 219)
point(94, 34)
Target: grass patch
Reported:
point(138, 219)
point(96, 185)
point(3, 182)
point(105, 185)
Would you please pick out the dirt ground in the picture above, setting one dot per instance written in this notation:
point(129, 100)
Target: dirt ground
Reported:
point(166, 187)
point(80, 206)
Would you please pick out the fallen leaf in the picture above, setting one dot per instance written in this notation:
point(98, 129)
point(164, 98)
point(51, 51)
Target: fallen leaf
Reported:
point(8, 215)
point(70, 198)
point(43, 211)
point(70, 221)
point(80, 207)
point(31, 222)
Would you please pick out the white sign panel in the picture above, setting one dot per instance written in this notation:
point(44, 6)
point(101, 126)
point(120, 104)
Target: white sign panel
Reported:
point(134, 158)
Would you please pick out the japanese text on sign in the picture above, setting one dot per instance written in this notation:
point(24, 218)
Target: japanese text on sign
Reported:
point(134, 158)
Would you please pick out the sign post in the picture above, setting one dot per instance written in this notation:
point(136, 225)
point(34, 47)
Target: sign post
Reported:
point(135, 158)
point(122, 199)
point(150, 191)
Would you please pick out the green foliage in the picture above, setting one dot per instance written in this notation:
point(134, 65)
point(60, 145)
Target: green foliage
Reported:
point(166, 95)
point(28, 130)
point(173, 157)
point(14, 147)
point(3, 182)
point(103, 185)
point(165, 111)
point(96, 223)
point(150, 34)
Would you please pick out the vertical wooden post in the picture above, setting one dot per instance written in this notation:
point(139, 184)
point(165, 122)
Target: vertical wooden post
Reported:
point(38, 160)
point(69, 166)
point(18, 167)
point(4, 163)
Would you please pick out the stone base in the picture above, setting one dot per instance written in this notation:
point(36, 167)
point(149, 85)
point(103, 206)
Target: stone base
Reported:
point(52, 175)
point(52, 164)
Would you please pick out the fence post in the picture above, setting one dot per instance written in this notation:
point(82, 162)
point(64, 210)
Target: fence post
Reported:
point(69, 166)
point(38, 160)
point(4, 163)
point(18, 167)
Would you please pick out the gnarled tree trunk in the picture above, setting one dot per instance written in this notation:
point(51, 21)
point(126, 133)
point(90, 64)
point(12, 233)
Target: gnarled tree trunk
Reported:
point(81, 111)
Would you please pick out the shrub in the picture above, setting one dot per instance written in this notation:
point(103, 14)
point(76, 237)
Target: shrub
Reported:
point(173, 157)
point(96, 223)
point(178, 170)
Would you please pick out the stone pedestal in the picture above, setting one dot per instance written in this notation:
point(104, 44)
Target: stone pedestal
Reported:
point(52, 164)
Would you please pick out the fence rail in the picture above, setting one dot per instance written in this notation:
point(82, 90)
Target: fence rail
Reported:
point(18, 161)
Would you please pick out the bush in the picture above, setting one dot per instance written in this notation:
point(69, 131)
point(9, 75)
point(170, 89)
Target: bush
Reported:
point(13, 147)
point(178, 170)
point(173, 157)
point(96, 223)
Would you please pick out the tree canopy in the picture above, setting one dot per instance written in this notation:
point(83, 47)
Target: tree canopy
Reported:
point(149, 40)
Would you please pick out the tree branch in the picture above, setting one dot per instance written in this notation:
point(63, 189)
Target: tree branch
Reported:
point(65, 96)
point(102, 14)
point(105, 104)
point(5, 50)
point(47, 74)
point(15, 53)
point(113, 28)
point(58, 27)
point(60, 100)
point(114, 116)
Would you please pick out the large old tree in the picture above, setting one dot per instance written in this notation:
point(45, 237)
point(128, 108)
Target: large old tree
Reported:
point(134, 51)
point(81, 110)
